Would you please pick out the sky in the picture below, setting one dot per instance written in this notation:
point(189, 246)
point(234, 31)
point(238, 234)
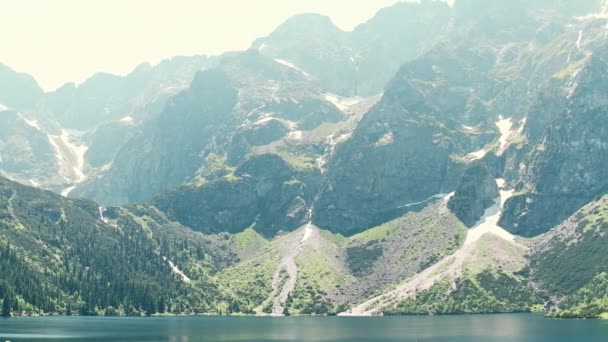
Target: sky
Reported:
point(63, 41)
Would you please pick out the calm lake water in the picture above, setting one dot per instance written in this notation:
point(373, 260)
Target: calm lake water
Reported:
point(520, 327)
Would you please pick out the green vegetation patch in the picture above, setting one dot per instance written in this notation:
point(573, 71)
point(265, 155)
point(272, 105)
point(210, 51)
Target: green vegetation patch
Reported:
point(320, 279)
point(485, 292)
point(591, 301)
point(248, 285)
point(569, 264)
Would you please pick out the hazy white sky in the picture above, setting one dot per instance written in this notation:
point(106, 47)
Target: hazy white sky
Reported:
point(57, 41)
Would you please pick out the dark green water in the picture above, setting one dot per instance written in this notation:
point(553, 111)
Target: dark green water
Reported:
point(524, 327)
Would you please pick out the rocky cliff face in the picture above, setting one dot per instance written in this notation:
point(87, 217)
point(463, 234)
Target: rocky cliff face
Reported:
point(25, 152)
point(476, 191)
point(264, 192)
point(361, 62)
point(566, 170)
point(170, 149)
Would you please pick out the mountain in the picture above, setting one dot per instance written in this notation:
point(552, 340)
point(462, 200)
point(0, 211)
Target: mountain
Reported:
point(361, 62)
point(249, 102)
point(84, 126)
point(106, 97)
point(67, 256)
point(328, 48)
point(18, 90)
point(438, 159)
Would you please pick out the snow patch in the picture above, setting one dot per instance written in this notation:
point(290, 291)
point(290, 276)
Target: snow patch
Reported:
point(477, 154)
point(32, 123)
point(3, 107)
point(295, 135)
point(344, 104)
point(446, 197)
point(65, 192)
point(504, 126)
point(263, 120)
point(105, 167)
point(602, 14)
point(508, 133)
point(102, 210)
point(354, 107)
point(177, 271)
point(308, 229)
point(291, 66)
point(70, 159)
point(307, 232)
point(488, 223)
point(386, 139)
point(127, 120)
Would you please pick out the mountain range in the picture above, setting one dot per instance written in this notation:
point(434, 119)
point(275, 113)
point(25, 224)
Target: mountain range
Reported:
point(437, 159)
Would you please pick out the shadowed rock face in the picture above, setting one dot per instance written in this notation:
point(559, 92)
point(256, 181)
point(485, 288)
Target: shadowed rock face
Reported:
point(170, 150)
point(476, 191)
point(264, 192)
point(568, 169)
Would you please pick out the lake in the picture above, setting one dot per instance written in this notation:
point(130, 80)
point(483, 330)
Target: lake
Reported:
point(515, 327)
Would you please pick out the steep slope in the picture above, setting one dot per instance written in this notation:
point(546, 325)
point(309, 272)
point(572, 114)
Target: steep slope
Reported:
point(566, 170)
point(141, 93)
point(249, 105)
point(264, 191)
point(590, 301)
point(455, 105)
point(312, 271)
point(361, 62)
point(467, 281)
point(25, 152)
point(406, 148)
point(86, 125)
point(18, 90)
point(170, 147)
point(568, 257)
point(475, 192)
point(64, 256)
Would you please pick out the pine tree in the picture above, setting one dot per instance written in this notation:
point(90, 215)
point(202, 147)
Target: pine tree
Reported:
point(6, 304)
point(161, 305)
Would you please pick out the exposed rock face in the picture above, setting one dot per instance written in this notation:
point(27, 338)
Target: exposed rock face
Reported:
point(264, 192)
point(360, 62)
point(373, 175)
point(568, 168)
point(25, 152)
point(171, 149)
point(406, 148)
point(476, 191)
point(248, 102)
